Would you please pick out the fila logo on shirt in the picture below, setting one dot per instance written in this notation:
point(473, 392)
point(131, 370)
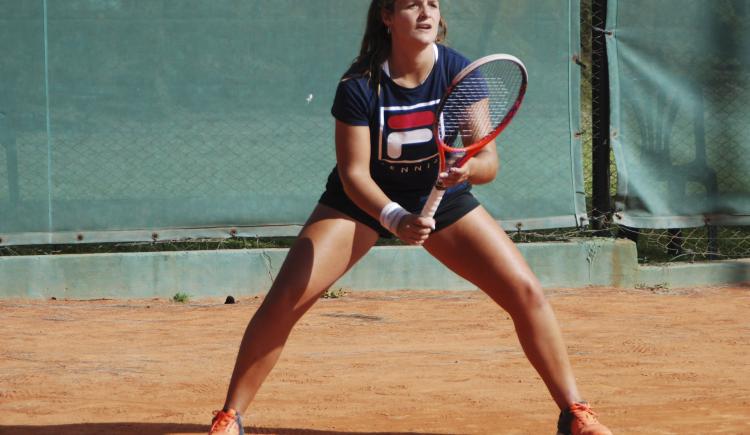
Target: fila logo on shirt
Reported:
point(406, 135)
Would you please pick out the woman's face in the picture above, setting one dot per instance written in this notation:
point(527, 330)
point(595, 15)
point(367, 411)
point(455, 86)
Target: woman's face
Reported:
point(413, 21)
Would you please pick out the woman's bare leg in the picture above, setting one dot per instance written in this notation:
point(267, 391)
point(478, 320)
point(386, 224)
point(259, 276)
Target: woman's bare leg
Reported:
point(476, 248)
point(328, 245)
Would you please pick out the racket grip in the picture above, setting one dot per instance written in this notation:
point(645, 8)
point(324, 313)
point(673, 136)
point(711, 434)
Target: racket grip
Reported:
point(432, 203)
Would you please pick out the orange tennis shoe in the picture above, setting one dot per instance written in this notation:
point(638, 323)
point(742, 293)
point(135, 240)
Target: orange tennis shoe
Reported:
point(226, 423)
point(579, 419)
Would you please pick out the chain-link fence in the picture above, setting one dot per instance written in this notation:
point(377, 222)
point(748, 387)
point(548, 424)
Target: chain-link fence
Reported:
point(680, 121)
point(131, 121)
point(175, 121)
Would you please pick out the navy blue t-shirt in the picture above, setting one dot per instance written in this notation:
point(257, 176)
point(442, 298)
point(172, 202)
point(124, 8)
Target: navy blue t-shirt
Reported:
point(403, 154)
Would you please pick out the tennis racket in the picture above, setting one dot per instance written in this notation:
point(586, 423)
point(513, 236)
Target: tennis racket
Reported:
point(480, 102)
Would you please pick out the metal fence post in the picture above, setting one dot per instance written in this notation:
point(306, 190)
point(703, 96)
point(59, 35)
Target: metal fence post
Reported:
point(601, 203)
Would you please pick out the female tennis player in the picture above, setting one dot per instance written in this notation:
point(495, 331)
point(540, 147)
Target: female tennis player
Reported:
point(387, 163)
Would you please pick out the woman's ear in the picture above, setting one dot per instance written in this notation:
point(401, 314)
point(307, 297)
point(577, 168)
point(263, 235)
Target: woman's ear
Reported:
point(387, 17)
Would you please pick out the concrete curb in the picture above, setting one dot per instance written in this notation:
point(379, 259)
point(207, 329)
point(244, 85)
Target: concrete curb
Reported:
point(578, 263)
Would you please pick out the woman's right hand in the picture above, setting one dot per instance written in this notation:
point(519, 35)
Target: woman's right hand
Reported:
point(415, 229)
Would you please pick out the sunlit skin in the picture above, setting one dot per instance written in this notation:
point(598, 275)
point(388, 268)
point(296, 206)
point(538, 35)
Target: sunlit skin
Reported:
point(413, 25)
point(414, 28)
point(474, 247)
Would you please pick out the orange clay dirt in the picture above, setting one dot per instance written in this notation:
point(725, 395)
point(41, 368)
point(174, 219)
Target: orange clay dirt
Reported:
point(651, 361)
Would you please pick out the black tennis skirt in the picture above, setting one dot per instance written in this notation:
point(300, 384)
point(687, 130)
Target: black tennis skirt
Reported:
point(452, 208)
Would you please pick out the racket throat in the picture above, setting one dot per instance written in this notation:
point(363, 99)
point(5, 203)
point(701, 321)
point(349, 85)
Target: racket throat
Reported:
point(461, 160)
point(455, 158)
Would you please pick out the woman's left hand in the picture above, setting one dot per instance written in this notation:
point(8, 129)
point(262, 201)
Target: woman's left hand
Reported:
point(456, 176)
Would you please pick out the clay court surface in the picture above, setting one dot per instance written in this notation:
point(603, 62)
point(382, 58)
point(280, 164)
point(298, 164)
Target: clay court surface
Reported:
point(652, 361)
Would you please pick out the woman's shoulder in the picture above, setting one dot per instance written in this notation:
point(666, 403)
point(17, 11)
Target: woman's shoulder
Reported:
point(355, 73)
point(452, 59)
point(355, 80)
point(450, 54)
point(354, 99)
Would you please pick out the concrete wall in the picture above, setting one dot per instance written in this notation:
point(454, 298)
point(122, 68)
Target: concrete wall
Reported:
point(579, 263)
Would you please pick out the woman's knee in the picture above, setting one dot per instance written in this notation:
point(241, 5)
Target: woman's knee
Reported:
point(524, 295)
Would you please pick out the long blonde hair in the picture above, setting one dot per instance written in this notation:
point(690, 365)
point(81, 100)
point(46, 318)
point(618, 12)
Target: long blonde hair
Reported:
point(376, 42)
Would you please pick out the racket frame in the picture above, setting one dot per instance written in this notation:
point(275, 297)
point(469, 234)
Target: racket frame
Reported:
point(470, 151)
point(474, 148)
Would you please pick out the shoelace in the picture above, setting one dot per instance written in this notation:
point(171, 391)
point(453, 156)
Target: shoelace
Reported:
point(583, 412)
point(221, 420)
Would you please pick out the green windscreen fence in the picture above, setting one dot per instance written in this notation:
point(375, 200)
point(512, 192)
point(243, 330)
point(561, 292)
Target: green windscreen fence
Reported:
point(131, 120)
point(680, 127)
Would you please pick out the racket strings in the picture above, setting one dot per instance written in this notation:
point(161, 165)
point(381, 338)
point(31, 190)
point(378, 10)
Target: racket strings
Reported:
point(480, 102)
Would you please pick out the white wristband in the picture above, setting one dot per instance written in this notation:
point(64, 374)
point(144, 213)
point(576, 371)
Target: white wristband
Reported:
point(391, 216)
